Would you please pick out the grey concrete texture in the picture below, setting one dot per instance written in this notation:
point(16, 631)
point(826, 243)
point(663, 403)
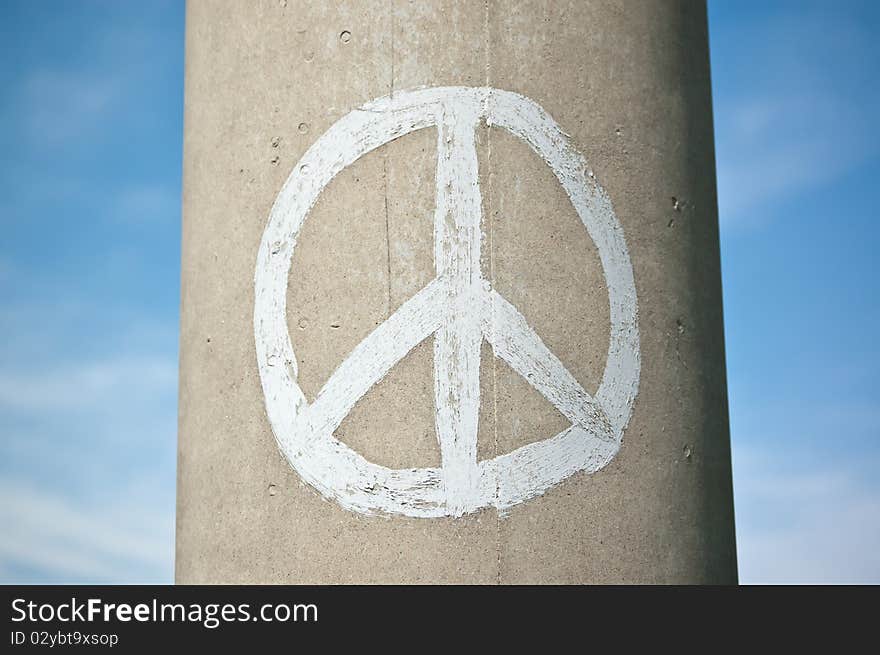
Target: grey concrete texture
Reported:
point(629, 82)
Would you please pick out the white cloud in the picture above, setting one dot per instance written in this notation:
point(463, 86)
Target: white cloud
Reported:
point(775, 147)
point(115, 542)
point(812, 525)
point(86, 386)
point(793, 113)
point(58, 106)
point(146, 204)
point(87, 470)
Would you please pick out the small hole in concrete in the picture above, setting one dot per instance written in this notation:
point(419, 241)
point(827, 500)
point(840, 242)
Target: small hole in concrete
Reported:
point(345, 36)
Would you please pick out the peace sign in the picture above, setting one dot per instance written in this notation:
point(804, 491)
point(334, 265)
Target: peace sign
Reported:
point(459, 308)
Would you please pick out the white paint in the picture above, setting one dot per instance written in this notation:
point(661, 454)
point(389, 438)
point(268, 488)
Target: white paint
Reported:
point(459, 308)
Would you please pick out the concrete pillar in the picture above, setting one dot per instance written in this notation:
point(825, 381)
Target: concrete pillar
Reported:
point(467, 334)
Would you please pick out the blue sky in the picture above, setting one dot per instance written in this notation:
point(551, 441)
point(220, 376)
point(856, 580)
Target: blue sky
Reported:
point(91, 108)
point(796, 99)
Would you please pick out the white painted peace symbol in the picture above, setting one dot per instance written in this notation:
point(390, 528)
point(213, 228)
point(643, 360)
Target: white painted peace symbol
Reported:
point(459, 307)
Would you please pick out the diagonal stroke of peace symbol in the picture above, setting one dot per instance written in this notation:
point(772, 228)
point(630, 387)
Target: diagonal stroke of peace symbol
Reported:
point(459, 308)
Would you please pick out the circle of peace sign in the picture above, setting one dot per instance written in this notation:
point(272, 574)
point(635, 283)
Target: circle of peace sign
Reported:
point(459, 308)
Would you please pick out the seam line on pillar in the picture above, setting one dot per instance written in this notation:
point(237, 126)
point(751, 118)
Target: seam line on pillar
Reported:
point(491, 230)
point(385, 172)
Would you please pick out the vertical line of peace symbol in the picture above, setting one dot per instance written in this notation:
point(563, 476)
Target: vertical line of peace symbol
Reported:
point(459, 308)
